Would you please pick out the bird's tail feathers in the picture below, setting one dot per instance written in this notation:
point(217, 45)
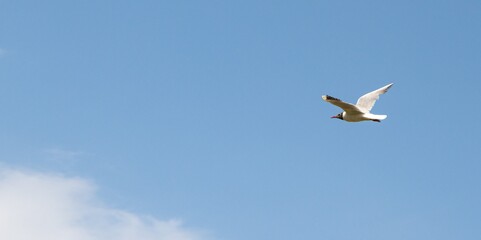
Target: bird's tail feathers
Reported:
point(380, 117)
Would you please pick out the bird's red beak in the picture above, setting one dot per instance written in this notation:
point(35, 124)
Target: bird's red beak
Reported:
point(335, 116)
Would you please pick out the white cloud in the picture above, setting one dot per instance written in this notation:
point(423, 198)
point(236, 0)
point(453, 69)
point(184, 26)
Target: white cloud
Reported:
point(50, 207)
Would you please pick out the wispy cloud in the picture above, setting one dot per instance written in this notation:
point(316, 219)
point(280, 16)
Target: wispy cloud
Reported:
point(59, 154)
point(50, 207)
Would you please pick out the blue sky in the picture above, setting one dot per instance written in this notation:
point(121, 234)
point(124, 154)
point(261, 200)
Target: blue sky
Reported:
point(206, 117)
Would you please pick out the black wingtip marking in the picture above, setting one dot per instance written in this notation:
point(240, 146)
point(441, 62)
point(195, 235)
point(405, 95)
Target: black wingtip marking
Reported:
point(332, 98)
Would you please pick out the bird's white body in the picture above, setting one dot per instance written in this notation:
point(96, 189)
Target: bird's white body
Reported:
point(362, 110)
point(362, 117)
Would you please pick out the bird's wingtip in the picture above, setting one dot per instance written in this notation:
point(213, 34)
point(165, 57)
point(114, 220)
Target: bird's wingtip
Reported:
point(327, 98)
point(388, 86)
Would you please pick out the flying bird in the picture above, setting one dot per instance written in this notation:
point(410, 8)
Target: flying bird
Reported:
point(362, 110)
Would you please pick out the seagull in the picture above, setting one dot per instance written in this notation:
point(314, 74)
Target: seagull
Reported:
point(362, 110)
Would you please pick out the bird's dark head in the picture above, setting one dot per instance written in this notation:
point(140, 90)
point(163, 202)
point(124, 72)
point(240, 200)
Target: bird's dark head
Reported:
point(339, 116)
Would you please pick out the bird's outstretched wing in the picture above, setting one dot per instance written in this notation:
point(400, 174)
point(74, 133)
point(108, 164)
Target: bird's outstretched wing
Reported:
point(349, 108)
point(367, 101)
